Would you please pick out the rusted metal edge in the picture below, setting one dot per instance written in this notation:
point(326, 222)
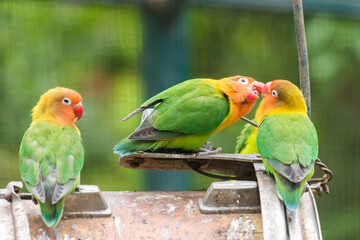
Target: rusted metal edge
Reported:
point(230, 164)
point(272, 209)
point(255, 157)
point(280, 223)
point(313, 227)
point(231, 197)
point(227, 210)
point(18, 214)
point(86, 202)
point(304, 223)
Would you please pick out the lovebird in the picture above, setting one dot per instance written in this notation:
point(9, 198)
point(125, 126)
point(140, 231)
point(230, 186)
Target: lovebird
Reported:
point(186, 115)
point(51, 152)
point(287, 140)
point(246, 142)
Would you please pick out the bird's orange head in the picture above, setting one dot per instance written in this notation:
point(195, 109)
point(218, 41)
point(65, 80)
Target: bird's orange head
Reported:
point(60, 105)
point(282, 96)
point(242, 92)
point(241, 89)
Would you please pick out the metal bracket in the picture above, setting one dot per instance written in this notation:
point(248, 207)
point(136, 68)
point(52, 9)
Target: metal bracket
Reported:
point(13, 217)
point(86, 202)
point(280, 223)
point(231, 197)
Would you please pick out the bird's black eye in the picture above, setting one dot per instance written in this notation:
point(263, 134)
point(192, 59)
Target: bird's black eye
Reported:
point(274, 93)
point(66, 101)
point(243, 80)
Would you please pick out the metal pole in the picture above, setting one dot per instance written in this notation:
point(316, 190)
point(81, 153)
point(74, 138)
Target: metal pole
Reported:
point(302, 53)
point(165, 64)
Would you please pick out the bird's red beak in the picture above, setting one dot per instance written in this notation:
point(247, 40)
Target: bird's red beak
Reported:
point(78, 110)
point(255, 89)
point(266, 88)
point(258, 86)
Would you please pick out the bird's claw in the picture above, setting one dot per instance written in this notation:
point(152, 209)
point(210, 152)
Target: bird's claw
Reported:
point(205, 151)
point(34, 200)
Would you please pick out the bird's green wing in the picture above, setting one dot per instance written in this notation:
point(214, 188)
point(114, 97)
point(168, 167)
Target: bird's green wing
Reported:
point(247, 137)
point(194, 106)
point(51, 157)
point(289, 144)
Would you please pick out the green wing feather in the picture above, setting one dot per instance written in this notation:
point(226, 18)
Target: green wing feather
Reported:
point(192, 107)
point(246, 142)
point(51, 157)
point(289, 147)
point(243, 144)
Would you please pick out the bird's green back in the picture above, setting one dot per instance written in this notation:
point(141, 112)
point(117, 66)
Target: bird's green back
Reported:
point(246, 142)
point(285, 139)
point(49, 148)
point(185, 107)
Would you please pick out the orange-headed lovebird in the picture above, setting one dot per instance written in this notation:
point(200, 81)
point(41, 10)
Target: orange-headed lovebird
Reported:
point(246, 142)
point(51, 151)
point(187, 114)
point(287, 140)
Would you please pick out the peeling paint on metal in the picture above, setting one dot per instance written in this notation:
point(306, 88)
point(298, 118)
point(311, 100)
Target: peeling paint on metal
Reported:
point(66, 237)
point(118, 226)
point(240, 228)
point(190, 207)
point(133, 205)
point(165, 232)
point(156, 219)
point(171, 209)
point(208, 220)
point(177, 225)
point(42, 235)
point(57, 233)
point(74, 227)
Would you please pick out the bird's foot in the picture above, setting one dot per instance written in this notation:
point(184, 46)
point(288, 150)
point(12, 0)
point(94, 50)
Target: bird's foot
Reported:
point(207, 149)
point(34, 200)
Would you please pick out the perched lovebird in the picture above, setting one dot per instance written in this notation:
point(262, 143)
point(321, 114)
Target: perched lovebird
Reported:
point(51, 151)
point(287, 140)
point(187, 114)
point(246, 142)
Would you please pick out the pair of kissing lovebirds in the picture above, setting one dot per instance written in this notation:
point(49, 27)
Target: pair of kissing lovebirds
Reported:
point(182, 117)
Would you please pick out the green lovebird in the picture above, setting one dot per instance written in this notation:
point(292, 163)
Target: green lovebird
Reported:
point(246, 142)
point(187, 114)
point(51, 151)
point(287, 140)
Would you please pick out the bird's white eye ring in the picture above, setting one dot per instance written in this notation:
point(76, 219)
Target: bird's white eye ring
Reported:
point(274, 93)
point(66, 101)
point(243, 81)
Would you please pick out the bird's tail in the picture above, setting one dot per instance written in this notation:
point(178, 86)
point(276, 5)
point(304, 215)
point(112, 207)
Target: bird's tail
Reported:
point(52, 213)
point(289, 192)
point(127, 146)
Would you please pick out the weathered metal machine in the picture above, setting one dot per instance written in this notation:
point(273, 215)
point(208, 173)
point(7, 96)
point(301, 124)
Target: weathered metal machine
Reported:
point(241, 209)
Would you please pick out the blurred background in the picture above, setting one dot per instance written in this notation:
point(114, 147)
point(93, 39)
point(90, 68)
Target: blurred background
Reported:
point(118, 53)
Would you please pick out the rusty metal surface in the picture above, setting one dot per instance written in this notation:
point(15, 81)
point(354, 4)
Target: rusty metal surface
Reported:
point(87, 201)
point(13, 219)
point(150, 215)
point(309, 218)
point(272, 209)
point(303, 223)
point(231, 197)
point(280, 223)
point(6, 223)
point(231, 164)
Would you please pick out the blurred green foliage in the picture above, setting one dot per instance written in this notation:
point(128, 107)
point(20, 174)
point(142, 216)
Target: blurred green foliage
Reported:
point(97, 50)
